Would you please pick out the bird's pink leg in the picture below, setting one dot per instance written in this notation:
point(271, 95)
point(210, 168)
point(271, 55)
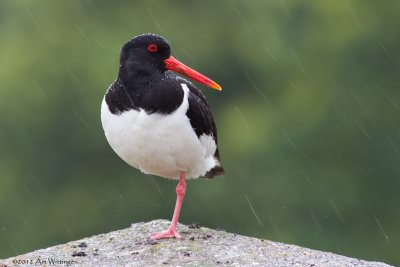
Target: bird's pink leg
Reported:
point(171, 231)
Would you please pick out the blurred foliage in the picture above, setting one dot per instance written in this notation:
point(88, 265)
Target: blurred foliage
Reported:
point(308, 121)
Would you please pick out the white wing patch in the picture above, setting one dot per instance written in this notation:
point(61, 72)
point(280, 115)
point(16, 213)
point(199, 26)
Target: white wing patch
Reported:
point(208, 143)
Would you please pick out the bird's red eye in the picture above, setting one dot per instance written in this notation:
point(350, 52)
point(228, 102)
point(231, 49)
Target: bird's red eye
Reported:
point(152, 48)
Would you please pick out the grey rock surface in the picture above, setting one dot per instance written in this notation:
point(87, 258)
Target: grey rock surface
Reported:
point(198, 246)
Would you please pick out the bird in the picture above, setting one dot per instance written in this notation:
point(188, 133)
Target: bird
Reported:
point(159, 122)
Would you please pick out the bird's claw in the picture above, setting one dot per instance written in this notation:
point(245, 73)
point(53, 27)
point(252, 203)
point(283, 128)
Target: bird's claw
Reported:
point(165, 234)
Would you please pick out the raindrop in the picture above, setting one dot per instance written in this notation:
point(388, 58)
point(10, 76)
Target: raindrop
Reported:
point(38, 26)
point(387, 53)
point(340, 250)
point(69, 232)
point(384, 49)
point(391, 101)
point(256, 87)
point(241, 17)
point(363, 130)
point(285, 9)
point(350, 8)
point(298, 89)
point(155, 184)
point(306, 177)
point(98, 42)
point(392, 143)
point(85, 122)
point(32, 18)
point(336, 210)
point(288, 138)
point(276, 229)
point(40, 90)
point(187, 54)
point(269, 50)
point(156, 23)
point(358, 101)
point(389, 97)
point(84, 35)
point(242, 118)
point(383, 232)
point(301, 65)
point(319, 228)
point(73, 75)
point(23, 219)
point(253, 210)
point(126, 93)
point(16, 252)
point(28, 191)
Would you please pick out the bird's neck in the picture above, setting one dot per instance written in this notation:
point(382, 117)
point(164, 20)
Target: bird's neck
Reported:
point(160, 93)
point(136, 73)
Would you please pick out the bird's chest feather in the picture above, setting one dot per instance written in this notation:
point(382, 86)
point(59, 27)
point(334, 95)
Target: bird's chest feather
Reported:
point(156, 143)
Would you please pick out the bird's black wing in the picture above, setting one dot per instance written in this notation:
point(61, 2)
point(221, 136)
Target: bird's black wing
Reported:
point(202, 121)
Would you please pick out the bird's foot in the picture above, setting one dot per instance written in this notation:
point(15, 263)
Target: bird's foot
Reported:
point(165, 234)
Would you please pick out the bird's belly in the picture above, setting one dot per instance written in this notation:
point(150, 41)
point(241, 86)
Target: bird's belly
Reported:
point(163, 145)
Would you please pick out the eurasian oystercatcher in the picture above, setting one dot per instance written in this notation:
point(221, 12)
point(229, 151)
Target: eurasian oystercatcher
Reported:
point(159, 122)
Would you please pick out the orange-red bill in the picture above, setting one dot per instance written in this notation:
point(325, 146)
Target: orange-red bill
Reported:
point(175, 65)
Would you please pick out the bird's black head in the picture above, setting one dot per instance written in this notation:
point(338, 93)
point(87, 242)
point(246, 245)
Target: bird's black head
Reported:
point(144, 55)
point(150, 55)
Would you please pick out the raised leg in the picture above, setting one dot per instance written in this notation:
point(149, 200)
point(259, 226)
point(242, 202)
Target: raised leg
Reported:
point(180, 193)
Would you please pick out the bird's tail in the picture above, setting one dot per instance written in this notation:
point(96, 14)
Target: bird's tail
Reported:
point(217, 170)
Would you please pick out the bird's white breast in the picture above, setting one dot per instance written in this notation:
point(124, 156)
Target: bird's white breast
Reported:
point(163, 145)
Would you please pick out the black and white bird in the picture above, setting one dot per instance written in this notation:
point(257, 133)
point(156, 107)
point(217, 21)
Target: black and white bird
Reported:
point(157, 121)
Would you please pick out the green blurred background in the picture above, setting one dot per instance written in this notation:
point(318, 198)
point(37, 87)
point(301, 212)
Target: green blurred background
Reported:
point(309, 125)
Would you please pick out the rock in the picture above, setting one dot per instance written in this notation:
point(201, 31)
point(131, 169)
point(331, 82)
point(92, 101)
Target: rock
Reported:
point(198, 246)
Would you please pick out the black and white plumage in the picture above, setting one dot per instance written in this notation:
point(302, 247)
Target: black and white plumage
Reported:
point(157, 121)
